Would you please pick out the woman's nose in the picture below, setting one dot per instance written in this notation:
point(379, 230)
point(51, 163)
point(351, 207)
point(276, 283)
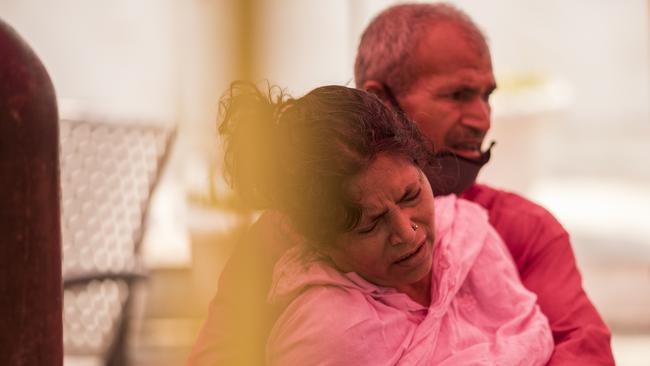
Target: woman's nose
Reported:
point(402, 230)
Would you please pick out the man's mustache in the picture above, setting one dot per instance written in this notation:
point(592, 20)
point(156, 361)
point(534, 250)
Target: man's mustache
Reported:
point(464, 134)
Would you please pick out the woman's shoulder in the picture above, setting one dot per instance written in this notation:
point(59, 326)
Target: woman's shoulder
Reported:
point(332, 308)
point(299, 271)
point(335, 325)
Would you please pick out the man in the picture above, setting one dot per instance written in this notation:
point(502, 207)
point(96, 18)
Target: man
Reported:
point(432, 63)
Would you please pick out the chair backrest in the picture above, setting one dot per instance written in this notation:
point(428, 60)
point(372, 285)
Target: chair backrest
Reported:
point(108, 173)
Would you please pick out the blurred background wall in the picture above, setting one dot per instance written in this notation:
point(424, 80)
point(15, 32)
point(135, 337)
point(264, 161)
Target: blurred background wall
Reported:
point(571, 120)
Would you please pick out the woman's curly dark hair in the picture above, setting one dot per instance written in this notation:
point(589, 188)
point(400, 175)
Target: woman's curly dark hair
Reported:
point(297, 155)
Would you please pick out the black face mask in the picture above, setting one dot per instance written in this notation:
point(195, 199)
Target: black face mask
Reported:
point(455, 173)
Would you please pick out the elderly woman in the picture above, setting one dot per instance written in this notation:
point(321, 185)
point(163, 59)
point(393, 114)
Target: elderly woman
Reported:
point(382, 278)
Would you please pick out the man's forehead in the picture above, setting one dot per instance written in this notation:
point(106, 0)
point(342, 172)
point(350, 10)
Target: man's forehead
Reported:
point(447, 47)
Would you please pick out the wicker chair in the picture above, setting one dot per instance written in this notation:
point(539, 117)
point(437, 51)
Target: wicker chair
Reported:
point(108, 174)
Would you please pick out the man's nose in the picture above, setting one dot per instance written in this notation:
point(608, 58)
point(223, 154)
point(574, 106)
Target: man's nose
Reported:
point(477, 115)
point(401, 230)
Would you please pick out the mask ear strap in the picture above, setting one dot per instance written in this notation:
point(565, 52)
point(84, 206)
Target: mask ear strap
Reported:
point(485, 156)
point(392, 99)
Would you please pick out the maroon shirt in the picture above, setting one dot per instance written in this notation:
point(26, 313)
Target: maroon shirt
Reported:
point(239, 318)
point(542, 252)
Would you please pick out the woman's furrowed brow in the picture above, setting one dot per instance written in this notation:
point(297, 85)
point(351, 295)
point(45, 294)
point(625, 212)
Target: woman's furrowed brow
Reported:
point(373, 218)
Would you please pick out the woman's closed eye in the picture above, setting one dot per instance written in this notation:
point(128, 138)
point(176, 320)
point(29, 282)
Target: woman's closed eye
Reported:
point(368, 228)
point(412, 195)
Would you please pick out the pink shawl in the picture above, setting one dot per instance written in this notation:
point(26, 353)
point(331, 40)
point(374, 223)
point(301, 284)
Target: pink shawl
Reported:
point(480, 313)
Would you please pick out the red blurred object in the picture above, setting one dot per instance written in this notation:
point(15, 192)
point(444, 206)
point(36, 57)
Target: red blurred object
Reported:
point(30, 249)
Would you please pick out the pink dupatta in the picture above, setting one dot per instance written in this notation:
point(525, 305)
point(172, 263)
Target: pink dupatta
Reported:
point(480, 312)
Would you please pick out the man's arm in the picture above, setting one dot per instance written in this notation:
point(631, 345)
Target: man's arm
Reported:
point(581, 337)
point(239, 318)
point(542, 252)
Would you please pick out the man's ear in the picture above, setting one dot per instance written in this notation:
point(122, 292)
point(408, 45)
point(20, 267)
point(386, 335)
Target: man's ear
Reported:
point(379, 89)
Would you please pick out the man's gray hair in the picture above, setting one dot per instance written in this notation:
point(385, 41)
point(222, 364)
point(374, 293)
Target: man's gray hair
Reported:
point(386, 52)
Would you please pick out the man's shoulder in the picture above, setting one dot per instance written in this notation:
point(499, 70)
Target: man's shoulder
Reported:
point(496, 200)
point(528, 229)
point(515, 217)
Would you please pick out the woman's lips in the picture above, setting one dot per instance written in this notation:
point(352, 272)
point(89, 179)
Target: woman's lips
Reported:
point(413, 254)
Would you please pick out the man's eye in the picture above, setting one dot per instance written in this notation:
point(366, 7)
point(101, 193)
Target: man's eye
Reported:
point(461, 94)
